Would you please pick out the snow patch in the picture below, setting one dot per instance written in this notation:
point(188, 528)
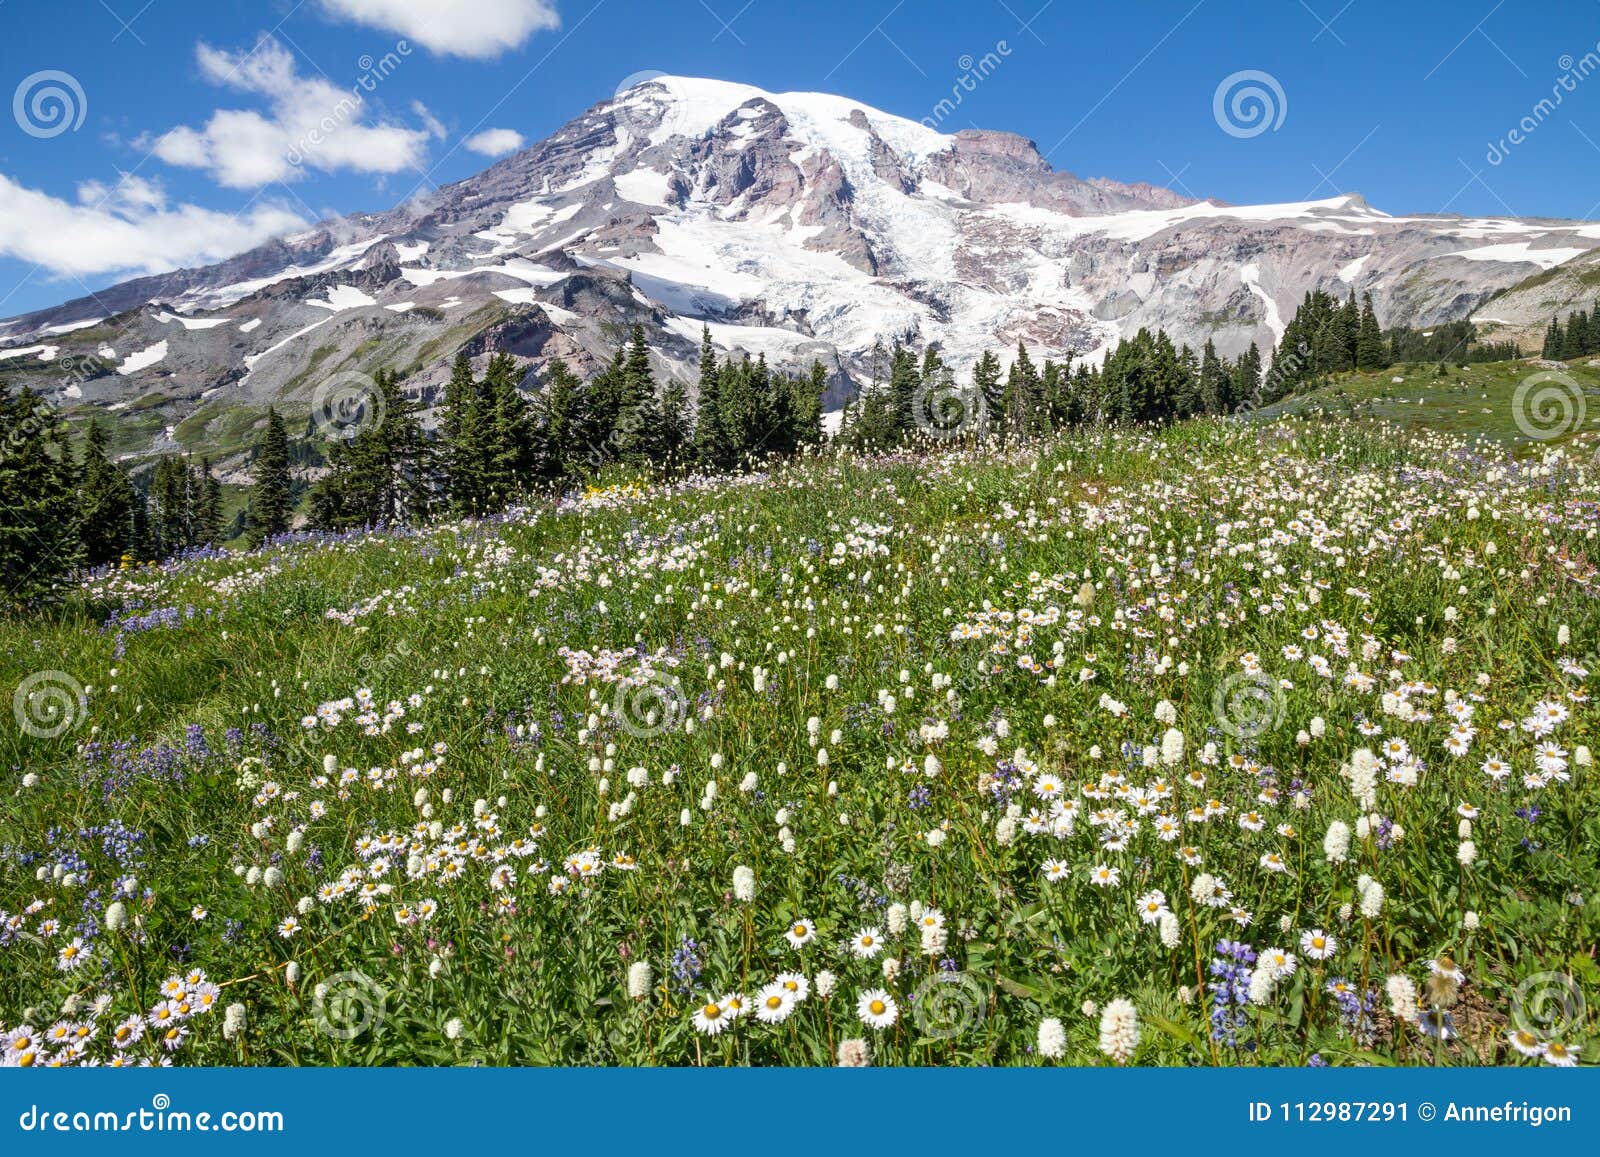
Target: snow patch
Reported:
point(644, 187)
point(166, 318)
point(1514, 251)
point(45, 352)
point(1251, 276)
point(144, 359)
point(342, 297)
point(1349, 273)
point(339, 257)
point(251, 359)
point(68, 327)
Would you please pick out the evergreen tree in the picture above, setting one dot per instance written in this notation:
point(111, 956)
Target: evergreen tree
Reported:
point(381, 475)
point(562, 412)
point(711, 448)
point(602, 409)
point(1020, 399)
point(1247, 379)
point(905, 379)
point(105, 502)
point(1370, 350)
point(461, 440)
point(676, 439)
point(1213, 381)
point(168, 504)
point(271, 498)
point(986, 382)
point(208, 507)
point(509, 436)
point(638, 428)
point(808, 406)
point(39, 535)
point(1553, 339)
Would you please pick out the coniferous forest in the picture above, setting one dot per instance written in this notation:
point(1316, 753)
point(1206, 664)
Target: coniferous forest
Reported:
point(1580, 337)
point(503, 438)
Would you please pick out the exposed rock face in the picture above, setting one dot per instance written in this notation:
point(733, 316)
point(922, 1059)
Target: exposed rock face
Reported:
point(798, 226)
point(1521, 312)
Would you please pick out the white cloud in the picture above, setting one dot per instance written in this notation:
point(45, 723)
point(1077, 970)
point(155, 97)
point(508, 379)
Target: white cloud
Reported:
point(494, 142)
point(312, 123)
point(128, 228)
point(479, 28)
point(430, 122)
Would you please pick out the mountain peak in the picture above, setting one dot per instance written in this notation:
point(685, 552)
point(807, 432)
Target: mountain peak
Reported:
point(800, 226)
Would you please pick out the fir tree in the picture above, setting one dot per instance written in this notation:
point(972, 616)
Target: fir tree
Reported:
point(710, 446)
point(1247, 379)
point(1213, 381)
point(675, 443)
point(271, 498)
point(208, 507)
point(986, 383)
point(461, 440)
point(638, 428)
point(105, 502)
point(561, 405)
point(509, 436)
point(39, 535)
point(1370, 351)
point(381, 475)
point(1553, 339)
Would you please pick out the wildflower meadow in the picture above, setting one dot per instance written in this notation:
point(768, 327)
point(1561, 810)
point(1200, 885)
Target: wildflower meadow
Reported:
point(1227, 744)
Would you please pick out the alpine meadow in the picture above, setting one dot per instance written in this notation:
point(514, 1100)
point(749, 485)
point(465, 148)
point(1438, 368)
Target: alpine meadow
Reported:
point(737, 578)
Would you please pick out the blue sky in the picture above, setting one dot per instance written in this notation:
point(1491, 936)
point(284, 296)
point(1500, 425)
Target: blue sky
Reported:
point(147, 135)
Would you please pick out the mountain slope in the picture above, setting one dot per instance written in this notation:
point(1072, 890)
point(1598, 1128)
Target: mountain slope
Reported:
point(797, 225)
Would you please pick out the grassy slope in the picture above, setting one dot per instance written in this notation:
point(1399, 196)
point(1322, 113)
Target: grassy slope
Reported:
point(470, 618)
point(1477, 401)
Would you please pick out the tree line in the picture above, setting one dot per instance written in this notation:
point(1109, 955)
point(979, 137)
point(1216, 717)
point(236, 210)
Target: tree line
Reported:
point(66, 511)
point(1579, 338)
point(1327, 336)
point(495, 445)
point(1146, 378)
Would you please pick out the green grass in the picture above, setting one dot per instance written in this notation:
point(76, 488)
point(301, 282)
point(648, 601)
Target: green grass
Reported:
point(1473, 402)
point(932, 616)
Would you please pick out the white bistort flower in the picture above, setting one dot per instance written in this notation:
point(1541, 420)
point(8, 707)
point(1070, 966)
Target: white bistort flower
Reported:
point(1119, 1030)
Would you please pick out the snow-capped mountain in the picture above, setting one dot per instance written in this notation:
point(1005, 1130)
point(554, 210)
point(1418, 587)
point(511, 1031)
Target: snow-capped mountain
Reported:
point(798, 225)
